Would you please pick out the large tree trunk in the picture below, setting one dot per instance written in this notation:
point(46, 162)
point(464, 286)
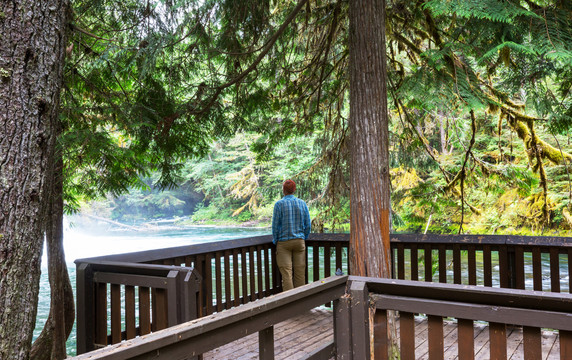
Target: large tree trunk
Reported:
point(369, 163)
point(51, 344)
point(32, 47)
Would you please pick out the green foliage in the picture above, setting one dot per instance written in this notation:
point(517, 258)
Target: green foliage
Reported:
point(201, 93)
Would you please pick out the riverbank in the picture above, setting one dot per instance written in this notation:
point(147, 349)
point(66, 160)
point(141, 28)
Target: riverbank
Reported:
point(97, 224)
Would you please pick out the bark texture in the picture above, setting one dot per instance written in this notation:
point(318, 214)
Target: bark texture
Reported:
point(32, 43)
point(369, 164)
point(51, 344)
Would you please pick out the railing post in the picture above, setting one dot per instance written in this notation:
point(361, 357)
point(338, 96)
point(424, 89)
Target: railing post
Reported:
point(85, 308)
point(342, 333)
point(190, 286)
point(360, 320)
point(266, 343)
point(173, 296)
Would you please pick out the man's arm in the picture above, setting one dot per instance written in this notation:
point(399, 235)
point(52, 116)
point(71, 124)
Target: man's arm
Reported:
point(307, 222)
point(276, 222)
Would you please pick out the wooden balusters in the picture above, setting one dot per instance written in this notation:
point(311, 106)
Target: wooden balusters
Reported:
point(466, 339)
point(243, 263)
point(457, 276)
point(144, 311)
point(442, 263)
point(565, 344)
point(472, 264)
point(414, 263)
point(537, 269)
point(504, 268)
point(400, 261)
point(519, 267)
point(208, 284)
point(487, 266)
point(227, 280)
point(435, 335)
point(428, 265)
point(407, 335)
point(251, 251)
point(554, 270)
point(497, 339)
point(115, 313)
point(235, 277)
point(266, 252)
point(218, 282)
point(259, 273)
point(101, 314)
point(316, 262)
point(130, 329)
point(532, 342)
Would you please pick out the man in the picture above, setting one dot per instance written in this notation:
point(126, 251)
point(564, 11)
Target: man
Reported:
point(290, 228)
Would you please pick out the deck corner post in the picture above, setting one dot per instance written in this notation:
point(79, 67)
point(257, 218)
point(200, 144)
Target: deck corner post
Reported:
point(174, 312)
point(342, 333)
point(191, 285)
point(85, 308)
point(266, 343)
point(359, 309)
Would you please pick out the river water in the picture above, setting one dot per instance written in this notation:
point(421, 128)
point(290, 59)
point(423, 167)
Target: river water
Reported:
point(80, 243)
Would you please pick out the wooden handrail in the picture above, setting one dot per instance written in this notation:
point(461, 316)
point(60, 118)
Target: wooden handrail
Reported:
point(196, 249)
point(236, 272)
point(199, 336)
point(354, 297)
point(499, 307)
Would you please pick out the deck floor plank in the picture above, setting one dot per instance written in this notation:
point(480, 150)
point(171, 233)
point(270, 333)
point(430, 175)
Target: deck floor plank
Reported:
point(299, 336)
point(550, 345)
point(420, 336)
point(513, 342)
point(451, 347)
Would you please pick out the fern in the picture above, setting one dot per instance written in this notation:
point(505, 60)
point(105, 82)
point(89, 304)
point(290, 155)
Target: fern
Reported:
point(492, 10)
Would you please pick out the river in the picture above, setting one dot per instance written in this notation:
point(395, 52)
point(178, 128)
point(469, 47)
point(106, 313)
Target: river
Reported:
point(79, 243)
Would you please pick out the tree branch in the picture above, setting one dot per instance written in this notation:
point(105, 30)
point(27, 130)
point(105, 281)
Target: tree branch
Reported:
point(255, 63)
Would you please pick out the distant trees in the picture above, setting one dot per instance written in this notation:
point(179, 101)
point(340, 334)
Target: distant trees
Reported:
point(467, 82)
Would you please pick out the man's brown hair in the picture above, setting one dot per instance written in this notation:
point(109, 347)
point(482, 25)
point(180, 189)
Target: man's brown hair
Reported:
point(289, 187)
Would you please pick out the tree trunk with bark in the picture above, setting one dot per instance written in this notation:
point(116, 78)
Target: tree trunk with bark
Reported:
point(32, 52)
point(51, 344)
point(369, 162)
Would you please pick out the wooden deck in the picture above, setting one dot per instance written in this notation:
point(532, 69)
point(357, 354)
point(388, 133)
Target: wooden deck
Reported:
point(295, 338)
point(298, 337)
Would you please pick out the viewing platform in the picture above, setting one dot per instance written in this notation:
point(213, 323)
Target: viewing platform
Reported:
point(481, 297)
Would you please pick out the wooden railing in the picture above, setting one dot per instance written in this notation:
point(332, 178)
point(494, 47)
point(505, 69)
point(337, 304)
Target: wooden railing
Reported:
point(236, 272)
point(118, 301)
point(197, 337)
point(231, 273)
point(353, 299)
point(533, 310)
point(490, 260)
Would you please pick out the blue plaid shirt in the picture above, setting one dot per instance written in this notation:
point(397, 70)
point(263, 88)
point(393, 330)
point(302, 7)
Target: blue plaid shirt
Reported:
point(290, 220)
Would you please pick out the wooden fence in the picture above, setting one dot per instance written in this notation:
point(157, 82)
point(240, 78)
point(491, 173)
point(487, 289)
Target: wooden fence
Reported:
point(533, 310)
point(355, 299)
point(227, 274)
point(505, 261)
point(118, 302)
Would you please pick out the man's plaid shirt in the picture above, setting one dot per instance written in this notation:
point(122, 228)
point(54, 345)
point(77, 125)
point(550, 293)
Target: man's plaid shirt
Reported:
point(290, 220)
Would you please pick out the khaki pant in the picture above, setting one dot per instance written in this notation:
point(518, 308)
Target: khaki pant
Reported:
point(291, 254)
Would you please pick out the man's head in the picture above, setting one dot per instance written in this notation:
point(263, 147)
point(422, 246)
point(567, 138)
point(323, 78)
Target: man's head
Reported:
point(289, 187)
